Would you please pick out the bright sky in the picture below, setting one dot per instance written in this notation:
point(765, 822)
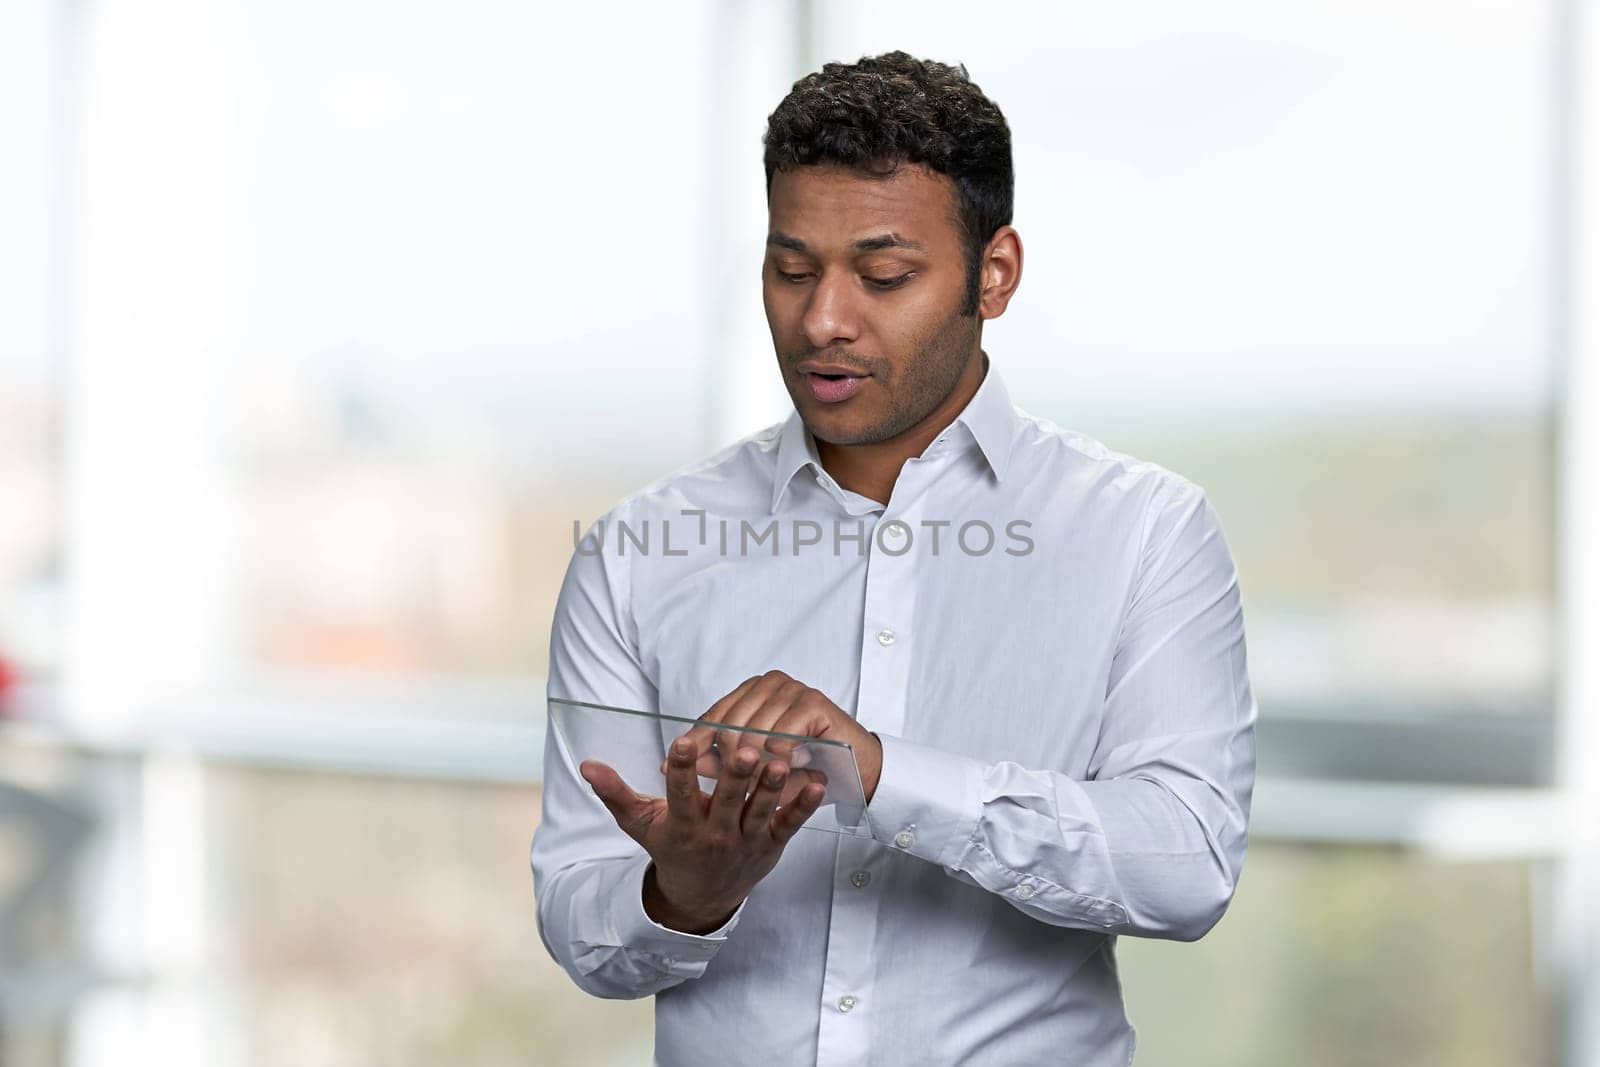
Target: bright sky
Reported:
point(1237, 204)
point(1283, 204)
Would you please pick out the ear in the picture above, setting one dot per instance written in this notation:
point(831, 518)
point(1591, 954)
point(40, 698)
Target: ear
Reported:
point(999, 272)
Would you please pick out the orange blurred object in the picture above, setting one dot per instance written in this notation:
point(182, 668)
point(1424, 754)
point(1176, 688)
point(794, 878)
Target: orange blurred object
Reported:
point(8, 682)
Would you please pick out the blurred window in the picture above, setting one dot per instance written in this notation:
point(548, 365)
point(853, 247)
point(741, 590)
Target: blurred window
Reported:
point(417, 285)
point(479, 313)
point(1351, 955)
point(30, 532)
point(1299, 255)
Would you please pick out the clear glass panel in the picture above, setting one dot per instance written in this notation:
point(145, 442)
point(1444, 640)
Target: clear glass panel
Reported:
point(1350, 956)
point(634, 744)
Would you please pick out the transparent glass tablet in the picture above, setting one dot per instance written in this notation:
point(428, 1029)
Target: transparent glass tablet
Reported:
point(634, 744)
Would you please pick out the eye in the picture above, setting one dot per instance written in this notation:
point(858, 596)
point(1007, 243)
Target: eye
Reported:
point(791, 278)
point(890, 283)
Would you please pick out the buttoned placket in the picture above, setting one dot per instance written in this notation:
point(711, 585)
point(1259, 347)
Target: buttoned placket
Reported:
point(861, 872)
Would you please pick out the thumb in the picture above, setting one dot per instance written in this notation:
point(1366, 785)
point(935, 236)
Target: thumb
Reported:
point(632, 811)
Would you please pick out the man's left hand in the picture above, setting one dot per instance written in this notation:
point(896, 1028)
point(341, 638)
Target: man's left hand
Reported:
point(775, 701)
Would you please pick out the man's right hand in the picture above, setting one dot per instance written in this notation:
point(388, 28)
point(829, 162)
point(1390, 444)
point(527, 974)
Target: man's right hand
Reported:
point(708, 852)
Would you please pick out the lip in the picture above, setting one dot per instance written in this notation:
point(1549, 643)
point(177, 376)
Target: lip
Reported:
point(811, 366)
point(831, 390)
point(834, 390)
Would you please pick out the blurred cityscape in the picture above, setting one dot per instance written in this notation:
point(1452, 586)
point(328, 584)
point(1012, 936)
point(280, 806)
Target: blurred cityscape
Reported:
point(399, 319)
point(380, 538)
point(1375, 574)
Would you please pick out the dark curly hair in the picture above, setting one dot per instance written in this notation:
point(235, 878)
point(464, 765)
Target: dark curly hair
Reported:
point(882, 111)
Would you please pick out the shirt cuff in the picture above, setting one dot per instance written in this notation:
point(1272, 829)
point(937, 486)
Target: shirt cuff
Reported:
point(682, 953)
point(926, 802)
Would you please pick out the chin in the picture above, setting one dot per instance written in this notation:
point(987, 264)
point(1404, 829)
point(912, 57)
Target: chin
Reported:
point(824, 424)
point(838, 424)
point(845, 431)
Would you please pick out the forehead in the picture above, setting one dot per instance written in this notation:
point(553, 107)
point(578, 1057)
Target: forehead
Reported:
point(828, 204)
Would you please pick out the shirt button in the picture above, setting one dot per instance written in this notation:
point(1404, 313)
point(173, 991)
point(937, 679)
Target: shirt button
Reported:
point(894, 529)
point(1024, 891)
point(859, 879)
point(846, 1003)
point(905, 839)
point(885, 638)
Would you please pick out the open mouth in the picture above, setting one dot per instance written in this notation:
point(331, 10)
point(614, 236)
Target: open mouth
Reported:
point(834, 388)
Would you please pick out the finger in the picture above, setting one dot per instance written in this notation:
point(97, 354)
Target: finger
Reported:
point(685, 802)
point(727, 802)
point(790, 743)
point(812, 716)
point(764, 801)
point(799, 778)
point(766, 702)
point(708, 765)
point(744, 708)
point(790, 819)
point(797, 713)
point(702, 736)
point(758, 710)
point(634, 813)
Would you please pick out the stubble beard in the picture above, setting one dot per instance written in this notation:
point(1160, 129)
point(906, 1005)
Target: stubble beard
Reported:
point(923, 383)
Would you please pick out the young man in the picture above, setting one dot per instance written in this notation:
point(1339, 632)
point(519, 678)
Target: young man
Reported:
point(1035, 646)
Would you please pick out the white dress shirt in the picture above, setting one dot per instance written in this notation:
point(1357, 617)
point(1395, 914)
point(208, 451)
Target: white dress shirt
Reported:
point(1068, 742)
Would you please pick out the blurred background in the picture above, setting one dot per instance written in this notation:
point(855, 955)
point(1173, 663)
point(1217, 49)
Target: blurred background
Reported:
point(320, 324)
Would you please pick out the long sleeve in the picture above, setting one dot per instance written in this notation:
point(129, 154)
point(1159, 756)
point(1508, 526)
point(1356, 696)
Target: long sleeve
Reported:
point(588, 875)
point(1153, 843)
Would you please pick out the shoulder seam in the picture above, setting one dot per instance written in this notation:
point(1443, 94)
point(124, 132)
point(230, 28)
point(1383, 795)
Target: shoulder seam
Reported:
point(721, 455)
point(1092, 448)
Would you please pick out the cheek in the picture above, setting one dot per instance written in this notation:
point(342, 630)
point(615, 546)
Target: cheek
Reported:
point(934, 305)
point(779, 311)
point(911, 327)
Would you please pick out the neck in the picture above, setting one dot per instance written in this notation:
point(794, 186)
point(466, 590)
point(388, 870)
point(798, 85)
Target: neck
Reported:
point(872, 469)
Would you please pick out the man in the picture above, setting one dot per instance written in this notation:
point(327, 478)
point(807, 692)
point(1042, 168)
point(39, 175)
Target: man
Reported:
point(1033, 644)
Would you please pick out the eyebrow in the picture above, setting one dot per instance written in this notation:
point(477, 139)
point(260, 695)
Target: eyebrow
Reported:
point(866, 244)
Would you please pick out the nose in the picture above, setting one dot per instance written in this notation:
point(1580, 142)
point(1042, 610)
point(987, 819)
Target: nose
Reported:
point(831, 314)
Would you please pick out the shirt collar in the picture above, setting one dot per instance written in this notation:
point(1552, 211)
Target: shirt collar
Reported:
point(989, 419)
point(796, 449)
